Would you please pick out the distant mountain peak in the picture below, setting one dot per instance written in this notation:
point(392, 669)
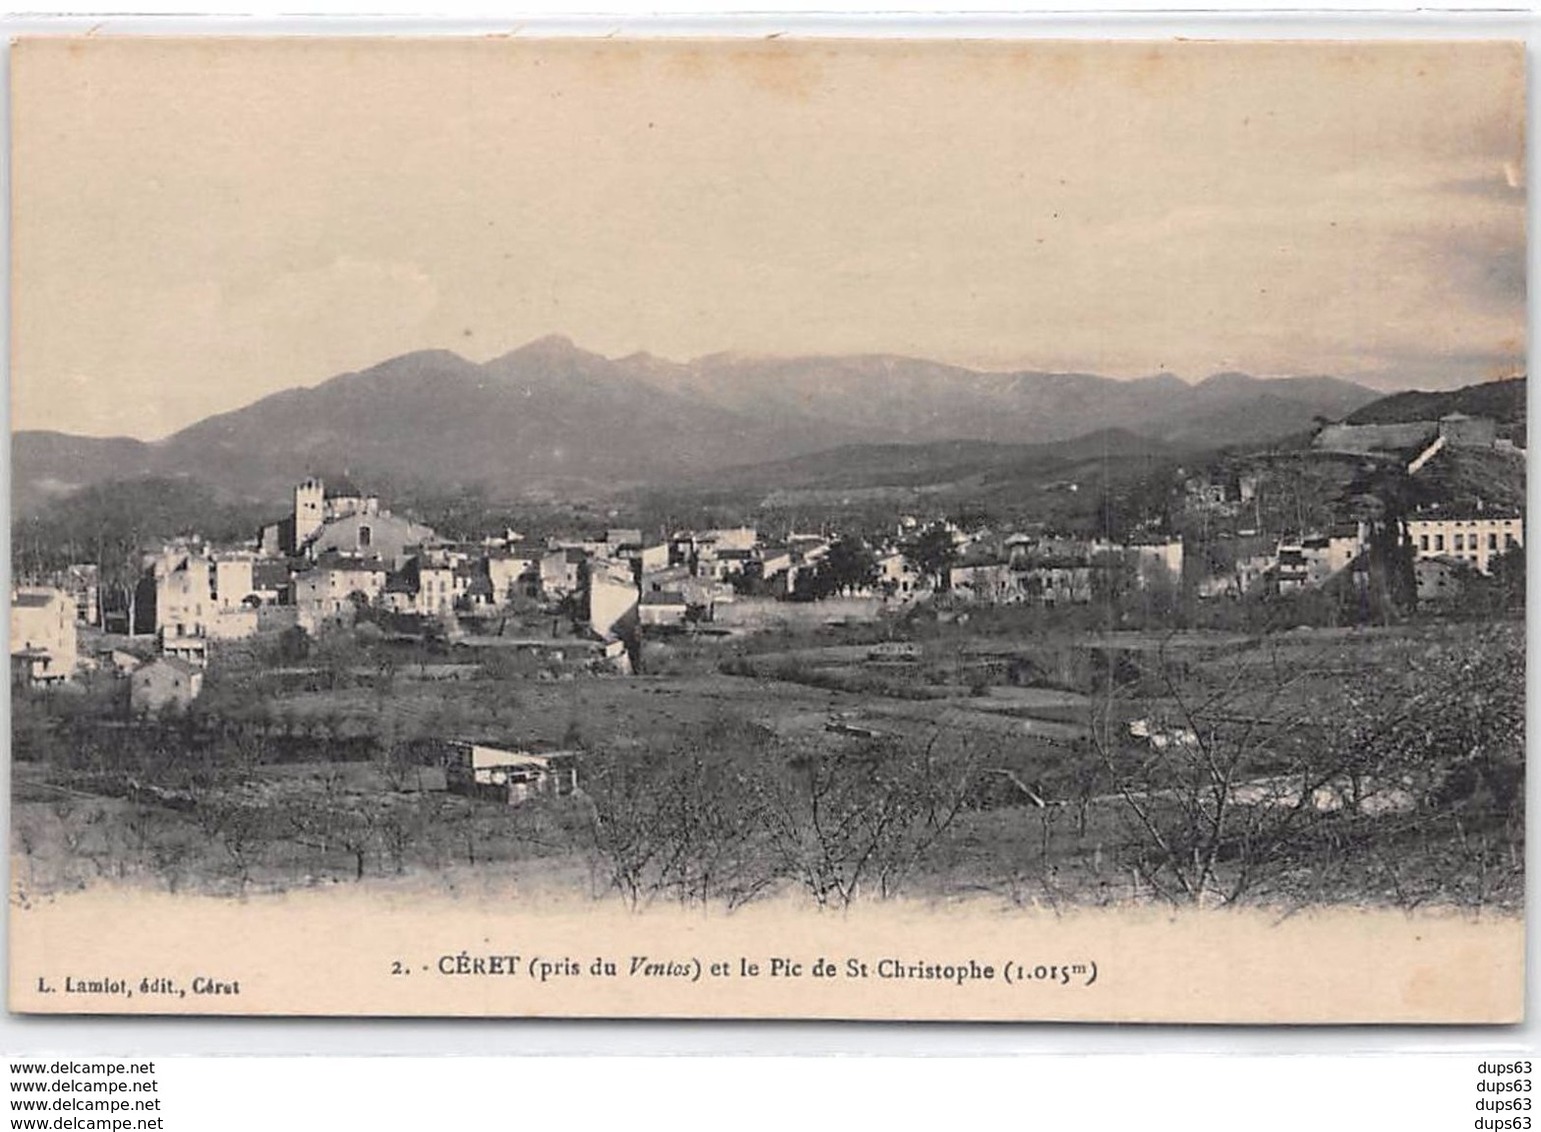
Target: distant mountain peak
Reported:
point(725, 358)
point(419, 366)
point(554, 353)
point(1229, 379)
point(437, 358)
point(643, 362)
point(550, 346)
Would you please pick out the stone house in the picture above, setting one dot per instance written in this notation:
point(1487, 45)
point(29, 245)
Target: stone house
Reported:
point(164, 682)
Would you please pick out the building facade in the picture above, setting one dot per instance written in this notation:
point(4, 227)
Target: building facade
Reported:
point(1474, 539)
point(44, 649)
point(165, 682)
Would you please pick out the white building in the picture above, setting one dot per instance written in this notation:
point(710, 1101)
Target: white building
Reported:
point(654, 557)
point(436, 590)
point(613, 597)
point(233, 597)
point(897, 576)
point(1162, 559)
point(512, 574)
point(1475, 540)
point(233, 581)
point(733, 538)
point(43, 641)
point(184, 596)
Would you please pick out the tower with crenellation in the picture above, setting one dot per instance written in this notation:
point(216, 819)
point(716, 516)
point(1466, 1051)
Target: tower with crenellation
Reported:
point(309, 509)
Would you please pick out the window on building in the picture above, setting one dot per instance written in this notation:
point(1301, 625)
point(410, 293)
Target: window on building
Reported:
point(365, 536)
point(1492, 540)
point(1439, 542)
point(1423, 542)
point(1460, 541)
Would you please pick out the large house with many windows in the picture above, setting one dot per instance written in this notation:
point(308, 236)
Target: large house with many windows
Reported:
point(1473, 539)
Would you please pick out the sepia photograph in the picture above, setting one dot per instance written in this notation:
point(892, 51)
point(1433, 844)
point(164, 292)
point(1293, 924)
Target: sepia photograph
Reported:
point(896, 529)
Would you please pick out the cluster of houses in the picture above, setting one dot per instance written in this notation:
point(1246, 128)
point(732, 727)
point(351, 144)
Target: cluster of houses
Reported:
point(45, 651)
point(339, 553)
point(1262, 564)
point(1448, 548)
point(1049, 570)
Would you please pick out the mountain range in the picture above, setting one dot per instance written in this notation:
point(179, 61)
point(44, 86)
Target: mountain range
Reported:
point(551, 418)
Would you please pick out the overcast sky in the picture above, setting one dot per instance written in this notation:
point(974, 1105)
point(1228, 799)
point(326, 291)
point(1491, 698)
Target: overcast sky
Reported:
point(200, 224)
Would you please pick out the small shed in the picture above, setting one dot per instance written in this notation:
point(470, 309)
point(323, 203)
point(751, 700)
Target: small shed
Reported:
point(509, 775)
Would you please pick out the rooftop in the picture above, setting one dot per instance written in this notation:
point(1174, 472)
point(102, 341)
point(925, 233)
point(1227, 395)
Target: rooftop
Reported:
point(663, 597)
point(269, 574)
point(343, 488)
point(331, 560)
point(173, 662)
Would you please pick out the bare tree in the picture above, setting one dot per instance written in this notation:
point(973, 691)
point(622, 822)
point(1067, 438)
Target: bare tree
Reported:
point(239, 827)
point(844, 822)
point(1193, 773)
point(1284, 772)
point(334, 818)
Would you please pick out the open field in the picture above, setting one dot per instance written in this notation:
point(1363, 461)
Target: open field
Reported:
point(1051, 768)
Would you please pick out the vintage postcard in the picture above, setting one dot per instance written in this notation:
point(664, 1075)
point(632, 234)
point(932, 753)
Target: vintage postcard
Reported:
point(811, 529)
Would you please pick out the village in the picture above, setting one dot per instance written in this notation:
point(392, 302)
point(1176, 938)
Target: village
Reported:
point(353, 658)
point(339, 556)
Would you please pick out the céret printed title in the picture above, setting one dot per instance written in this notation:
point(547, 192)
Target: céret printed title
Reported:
point(548, 969)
